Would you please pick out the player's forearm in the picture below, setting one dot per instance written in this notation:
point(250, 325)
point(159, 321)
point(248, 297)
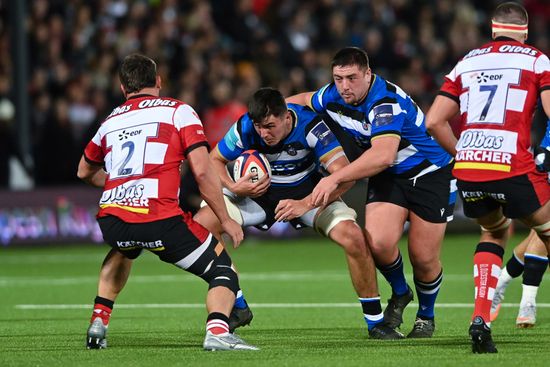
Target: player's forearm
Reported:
point(220, 169)
point(97, 179)
point(367, 165)
point(211, 192)
point(92, 175)
point(444, 135)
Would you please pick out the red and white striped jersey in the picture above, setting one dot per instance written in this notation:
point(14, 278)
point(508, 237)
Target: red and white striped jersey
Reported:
point(141, 144)
point(497, 87)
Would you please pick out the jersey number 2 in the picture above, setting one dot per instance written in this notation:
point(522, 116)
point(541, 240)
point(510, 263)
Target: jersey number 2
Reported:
point(128, 147)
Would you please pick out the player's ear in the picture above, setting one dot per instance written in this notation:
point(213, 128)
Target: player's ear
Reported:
point(159, 82)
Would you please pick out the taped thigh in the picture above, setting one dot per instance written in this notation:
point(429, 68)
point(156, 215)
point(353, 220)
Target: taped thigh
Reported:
point(334, 213)
point(232, 209)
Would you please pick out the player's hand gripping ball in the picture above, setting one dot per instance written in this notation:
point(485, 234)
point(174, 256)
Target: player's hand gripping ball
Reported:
point(251, 161)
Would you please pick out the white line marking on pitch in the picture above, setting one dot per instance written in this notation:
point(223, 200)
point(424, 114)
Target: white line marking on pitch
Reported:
point(253, 305)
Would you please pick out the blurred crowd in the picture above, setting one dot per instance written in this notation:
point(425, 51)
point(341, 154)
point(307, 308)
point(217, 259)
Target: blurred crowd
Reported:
point(214, 54)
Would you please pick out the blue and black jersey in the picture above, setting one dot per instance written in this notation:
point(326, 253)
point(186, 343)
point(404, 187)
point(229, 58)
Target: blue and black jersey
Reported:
point(386, 110)
point(296, 160)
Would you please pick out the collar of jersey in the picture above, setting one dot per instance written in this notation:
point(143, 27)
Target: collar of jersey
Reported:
point(366, 95)
point(504, 38)
point(141, 96)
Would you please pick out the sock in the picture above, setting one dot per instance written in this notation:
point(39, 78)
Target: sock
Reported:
point(427, 294)
point(395, 276)
point(504, 279)
point(102, 308)
point(217, 323)
point(535, 267)
point(514, 266)
point(240, 302)
point(372, 311)
point(487, 263)
point(529, 295)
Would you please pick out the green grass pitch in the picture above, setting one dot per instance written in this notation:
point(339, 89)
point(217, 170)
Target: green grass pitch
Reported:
point(305, 312)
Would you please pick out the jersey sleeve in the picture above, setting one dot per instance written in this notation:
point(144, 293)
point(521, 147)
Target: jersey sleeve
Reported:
point(93, 153)
point(231, 146)
point(190, 129)
point(323, 142)
point(320, 98)
point(542, 69)
point(451, 86)
point(386, 117)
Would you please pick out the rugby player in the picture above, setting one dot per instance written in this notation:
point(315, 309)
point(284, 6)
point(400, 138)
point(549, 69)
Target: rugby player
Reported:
point(297, 143)
point(495, 89)
point(410, 179)
point(135, 156)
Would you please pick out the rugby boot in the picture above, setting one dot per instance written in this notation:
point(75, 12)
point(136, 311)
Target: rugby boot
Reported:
point(482, 342)
point(225, 341)
point(527, 315)
point(384, 332)
point(422, 328)
point(393, 314)
point(497, 301)
point(96, 336)
point(239, 317)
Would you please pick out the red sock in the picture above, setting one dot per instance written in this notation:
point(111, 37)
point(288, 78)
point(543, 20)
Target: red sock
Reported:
point(217, 326)
point(486, 272)
point(103, 312)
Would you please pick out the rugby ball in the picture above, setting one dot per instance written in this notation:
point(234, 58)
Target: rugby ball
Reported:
point(251, 161)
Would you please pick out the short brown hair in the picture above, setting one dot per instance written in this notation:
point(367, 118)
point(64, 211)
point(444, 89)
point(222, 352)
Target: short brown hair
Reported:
point(351, 56)
point(137, 72)
point(511, 12)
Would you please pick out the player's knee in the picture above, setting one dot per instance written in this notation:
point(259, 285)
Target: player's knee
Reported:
point(221, 274)
point(425, 263)
point(350, 237)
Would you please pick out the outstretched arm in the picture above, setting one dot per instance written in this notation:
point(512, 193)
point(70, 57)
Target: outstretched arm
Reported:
point(376, 159)
point(303, 99)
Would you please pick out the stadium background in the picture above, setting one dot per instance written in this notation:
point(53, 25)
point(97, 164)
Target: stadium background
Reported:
point(58, 80)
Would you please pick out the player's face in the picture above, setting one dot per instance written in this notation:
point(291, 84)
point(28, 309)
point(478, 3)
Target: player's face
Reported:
point(274, 129)
point(352, 82)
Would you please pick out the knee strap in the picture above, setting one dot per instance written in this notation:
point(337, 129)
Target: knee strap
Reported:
point(504, 223)
point(221, 273)
point(543, 229)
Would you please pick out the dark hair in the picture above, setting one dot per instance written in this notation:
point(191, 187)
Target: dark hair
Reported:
point(266, 102)
point(351, 56)
point(137, 72)
point(511, 12)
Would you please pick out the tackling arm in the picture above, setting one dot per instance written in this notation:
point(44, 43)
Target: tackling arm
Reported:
point(303, 99)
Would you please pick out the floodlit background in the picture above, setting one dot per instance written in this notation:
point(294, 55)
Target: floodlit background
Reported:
point(58, 77)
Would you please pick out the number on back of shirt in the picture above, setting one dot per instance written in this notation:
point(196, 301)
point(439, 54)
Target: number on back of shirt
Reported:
point(128, 148)
point(488, 95)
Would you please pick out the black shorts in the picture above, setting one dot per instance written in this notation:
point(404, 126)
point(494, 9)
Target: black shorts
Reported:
point(432, 196)
point(171, 239)
point(518, 196)
point(274, 194)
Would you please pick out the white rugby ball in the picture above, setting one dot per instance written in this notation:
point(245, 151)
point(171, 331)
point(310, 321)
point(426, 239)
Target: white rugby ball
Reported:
point(251, 161)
